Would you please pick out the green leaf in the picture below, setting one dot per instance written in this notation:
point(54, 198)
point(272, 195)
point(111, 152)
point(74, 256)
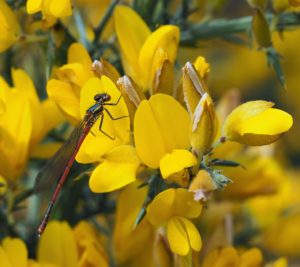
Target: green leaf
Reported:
point(274, 61)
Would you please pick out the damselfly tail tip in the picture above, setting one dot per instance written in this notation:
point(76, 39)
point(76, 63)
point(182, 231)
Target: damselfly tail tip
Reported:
point(41, 229)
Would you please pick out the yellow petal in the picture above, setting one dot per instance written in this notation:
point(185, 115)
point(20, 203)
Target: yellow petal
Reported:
point(192, 233)
point(256, 123)
point(222, 257)
point(281, 262)
point(52, 115)
point(33, 6)
point(132, 95)
point(177, 237)
point(89, 242)
point(9, 27)
point(7, 153)
point(162, 77)
point(12, 246)
point(95, 146)
point(131, 242)
point(132, 32)
point(204, 126)
point(58, 239)
point(23, 83)
point(60, 8)
point(172, 202)
point(17, 122)
point(243, 112)
point(251, 257)
point(270, 122)
point(160, 210)
point(74, 73)
point(117, 170)
point(109, 176)
point(4, 260)
point(176, 161)
point(63, 95)
point(202, 67)
point(160, 125)
point(193, 87)
point(78, 54)
point(165, 38)
point(103, 67)
point(185, 205)
point(202, 186)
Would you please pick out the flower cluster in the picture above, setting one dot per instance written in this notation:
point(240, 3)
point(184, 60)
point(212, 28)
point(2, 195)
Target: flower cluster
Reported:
point(160, 170)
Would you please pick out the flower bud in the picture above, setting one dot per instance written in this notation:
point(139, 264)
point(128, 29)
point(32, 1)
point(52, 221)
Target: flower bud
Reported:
point(193, 87)
point(103, 67)
point(204, 126)
point(256, 123)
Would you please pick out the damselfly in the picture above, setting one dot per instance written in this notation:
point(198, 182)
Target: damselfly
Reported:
point(60, 164)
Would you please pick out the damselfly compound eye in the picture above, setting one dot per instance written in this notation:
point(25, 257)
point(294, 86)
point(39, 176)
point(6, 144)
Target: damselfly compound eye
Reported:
point(97, 97)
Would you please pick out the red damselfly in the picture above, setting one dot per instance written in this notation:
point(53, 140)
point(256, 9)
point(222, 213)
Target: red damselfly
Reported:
point(60, 164)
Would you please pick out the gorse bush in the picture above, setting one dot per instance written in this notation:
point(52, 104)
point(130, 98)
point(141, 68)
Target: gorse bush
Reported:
point(152, 129)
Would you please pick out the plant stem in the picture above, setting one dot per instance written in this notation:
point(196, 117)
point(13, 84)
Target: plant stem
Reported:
point(220, 28)
point(107, 15)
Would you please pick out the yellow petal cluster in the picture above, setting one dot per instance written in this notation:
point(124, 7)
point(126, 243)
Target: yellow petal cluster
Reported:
point(172, 207)
point(161, 134)
point(64, 90)
point(141, 50)
point(229, 256)
point(22, 122)
point(51, 10)
point(81, 246)
point(8, 253)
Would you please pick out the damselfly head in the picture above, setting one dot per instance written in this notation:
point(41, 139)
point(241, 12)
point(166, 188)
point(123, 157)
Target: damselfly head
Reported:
point(102, 97)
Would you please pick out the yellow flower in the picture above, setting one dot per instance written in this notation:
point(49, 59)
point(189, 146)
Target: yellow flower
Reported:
point(16, 128)
point(8, 252)
point(200, 106)
point(51, 10)
point(14, 246)
point(283, 237)
point(172, 207)
point(256, 123)
point(62, 246)
point(262, 176)
point(90, 247)
point(65, 88)
point(161, 135)
point(143, 53)
point(22, 122)
point(228, 256)
point(132, 245)
point(9, 27)
point(274, 205)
